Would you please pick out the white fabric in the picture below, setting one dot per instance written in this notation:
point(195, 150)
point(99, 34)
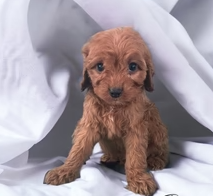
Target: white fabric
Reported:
point(189, 174)
point(32, 99)
point(40, 59)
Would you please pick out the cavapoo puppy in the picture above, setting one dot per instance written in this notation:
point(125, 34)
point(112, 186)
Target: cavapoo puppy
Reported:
point(117, 113)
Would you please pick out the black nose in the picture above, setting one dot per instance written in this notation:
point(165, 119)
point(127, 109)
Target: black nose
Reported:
point(115, 92)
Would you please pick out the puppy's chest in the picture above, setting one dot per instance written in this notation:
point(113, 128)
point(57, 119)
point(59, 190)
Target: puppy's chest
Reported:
point(115, 123)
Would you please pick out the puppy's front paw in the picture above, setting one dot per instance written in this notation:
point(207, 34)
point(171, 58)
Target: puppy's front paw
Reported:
point(60, 175)
point(143, 184)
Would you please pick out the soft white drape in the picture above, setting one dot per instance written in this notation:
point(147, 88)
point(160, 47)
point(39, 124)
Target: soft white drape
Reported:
point(31, 99)
point(40, 67)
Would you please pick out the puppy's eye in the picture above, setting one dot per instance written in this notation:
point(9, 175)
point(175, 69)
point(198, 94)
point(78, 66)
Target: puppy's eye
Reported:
point(100, 67)
point(133, 67)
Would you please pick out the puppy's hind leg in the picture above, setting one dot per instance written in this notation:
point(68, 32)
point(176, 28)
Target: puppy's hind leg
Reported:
point(158, 151)
point(157, 156)
point(114, 152)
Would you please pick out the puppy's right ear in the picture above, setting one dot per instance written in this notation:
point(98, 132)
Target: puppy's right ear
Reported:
point(85, 50)
point(86, 82)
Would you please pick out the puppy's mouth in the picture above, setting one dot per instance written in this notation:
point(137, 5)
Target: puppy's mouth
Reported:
point(120, 101)
point(116, 101)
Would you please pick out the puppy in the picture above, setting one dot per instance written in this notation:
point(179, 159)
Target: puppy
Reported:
point(117, 113)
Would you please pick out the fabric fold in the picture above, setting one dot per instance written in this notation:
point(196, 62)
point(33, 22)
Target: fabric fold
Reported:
point(29, 107)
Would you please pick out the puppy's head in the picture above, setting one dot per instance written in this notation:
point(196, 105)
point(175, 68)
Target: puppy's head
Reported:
point(117, 65)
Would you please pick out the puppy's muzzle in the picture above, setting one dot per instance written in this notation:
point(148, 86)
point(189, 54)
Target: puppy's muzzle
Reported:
point(115, 92)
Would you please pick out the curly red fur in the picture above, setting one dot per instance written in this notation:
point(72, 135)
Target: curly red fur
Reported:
point(128, 128)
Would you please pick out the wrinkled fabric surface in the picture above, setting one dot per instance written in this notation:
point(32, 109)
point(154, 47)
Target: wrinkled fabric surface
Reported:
point(40, 70)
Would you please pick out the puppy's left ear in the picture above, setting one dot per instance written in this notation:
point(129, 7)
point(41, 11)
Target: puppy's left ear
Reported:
point(148, 83)
point(86, 82)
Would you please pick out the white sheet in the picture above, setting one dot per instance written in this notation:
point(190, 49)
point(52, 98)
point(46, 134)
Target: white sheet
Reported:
point(34, 88)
